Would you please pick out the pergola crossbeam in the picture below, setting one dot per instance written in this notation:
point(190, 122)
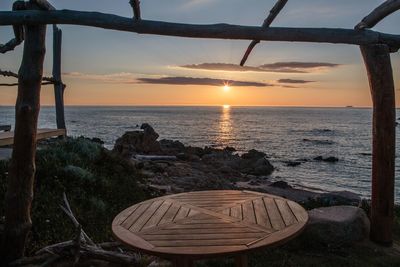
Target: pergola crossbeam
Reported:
point(212, 31)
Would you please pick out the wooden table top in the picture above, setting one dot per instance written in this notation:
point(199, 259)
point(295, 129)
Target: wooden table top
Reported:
point(209, 223)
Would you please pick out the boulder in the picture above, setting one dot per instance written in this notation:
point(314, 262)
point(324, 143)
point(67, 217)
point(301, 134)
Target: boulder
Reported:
point(281, 184)
point(255, 162)
point(142, 141)
point(172, 147)
point(336, 226)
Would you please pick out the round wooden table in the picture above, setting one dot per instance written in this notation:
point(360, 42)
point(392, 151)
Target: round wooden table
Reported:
point(207, 224)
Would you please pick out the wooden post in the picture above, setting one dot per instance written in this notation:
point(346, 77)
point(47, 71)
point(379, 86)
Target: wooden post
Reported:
point(22, 167)
point(58, 86)
point(380, 75)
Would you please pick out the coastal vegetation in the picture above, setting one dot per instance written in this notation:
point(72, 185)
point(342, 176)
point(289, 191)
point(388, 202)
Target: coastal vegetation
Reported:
point(100, 183)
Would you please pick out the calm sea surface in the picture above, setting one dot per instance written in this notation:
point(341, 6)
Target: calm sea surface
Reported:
point(283, 133)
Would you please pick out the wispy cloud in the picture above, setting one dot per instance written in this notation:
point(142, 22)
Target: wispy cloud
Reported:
point(278, 67)
point(199, 81)
point(131, 78)
point(121, 77)
point(294, 81)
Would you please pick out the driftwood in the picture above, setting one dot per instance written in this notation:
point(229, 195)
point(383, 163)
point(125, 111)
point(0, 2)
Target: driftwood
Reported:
point(48, 80)
point(155, 157)
point(80, 247)
point(22, 167)
point(215, 31)
point(267, 22)
point(44, 4)
point(380, 75)
point(58, 87)
point(18, 31)
point(136, 8)
point(379, 14)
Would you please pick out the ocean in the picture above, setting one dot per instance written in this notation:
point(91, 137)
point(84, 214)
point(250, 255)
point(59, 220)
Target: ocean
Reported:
point(284, 134)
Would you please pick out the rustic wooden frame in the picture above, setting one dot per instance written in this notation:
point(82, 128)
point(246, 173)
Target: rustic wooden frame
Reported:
point(28, 20)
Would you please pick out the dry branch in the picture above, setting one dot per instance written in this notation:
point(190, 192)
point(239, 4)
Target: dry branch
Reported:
point(18, 31)
point(44, 4)
point(379, 14)
point(136, 8)
point(80, 247)
point(267, 22)
point(214, 31)
point(47, 80)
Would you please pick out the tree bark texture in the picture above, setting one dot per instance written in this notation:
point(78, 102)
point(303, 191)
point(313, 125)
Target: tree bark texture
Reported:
point(22, 167)
point(380, 75)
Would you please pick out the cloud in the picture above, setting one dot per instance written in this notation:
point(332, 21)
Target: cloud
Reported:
point(222, 67)
point(294, 81)
point(278, 67)
point(199, 81)
point(121, 77)
point(299, 67)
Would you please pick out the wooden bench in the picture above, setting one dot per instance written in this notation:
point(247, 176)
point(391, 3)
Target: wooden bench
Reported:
point(5, 128)
point(7, 138)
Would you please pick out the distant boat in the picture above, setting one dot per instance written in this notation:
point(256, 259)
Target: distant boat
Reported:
point(349, 107)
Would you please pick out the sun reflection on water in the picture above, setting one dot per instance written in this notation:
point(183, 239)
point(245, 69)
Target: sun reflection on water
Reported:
point(225, 134)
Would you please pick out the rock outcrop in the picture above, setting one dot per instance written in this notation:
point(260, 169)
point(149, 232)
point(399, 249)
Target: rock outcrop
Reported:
point(336, 226)
point(143, 141)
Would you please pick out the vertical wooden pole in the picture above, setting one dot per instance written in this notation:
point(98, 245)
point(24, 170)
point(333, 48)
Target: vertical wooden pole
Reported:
point(22, 167)
point(58, 87)
point(380, 75)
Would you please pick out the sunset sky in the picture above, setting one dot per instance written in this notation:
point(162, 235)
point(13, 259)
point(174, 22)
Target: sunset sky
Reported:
point(103, 67)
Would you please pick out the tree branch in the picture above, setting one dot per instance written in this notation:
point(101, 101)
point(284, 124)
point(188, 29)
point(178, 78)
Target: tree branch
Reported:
point(18, 31)
point(48, 80)
point(267, 22)
point(44, 4)
point(136, 8)
point(215, 31)
point(378, 14)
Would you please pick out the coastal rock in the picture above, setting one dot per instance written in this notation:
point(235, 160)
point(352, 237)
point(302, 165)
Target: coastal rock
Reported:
point(134, 142)
point(339, 198)
point(292, 163)
point(256, 163)
point(281, 184)
point(172, 147)
point(337, 225)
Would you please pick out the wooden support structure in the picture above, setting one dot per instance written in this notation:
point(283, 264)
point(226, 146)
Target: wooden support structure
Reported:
point(380, 75)
point(59, 87)
point(29, 25)
point(22, 167)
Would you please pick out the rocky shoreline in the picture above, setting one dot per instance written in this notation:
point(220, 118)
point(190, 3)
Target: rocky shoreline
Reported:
point(172, 167)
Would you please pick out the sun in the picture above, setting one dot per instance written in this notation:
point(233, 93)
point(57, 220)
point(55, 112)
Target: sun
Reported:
point(227, 88)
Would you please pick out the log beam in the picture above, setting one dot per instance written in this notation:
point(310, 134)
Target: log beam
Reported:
point(22, 167)
point(214, 31)
point(378, 14)
point(59, 87)
point(380, 75)
point(267, 22)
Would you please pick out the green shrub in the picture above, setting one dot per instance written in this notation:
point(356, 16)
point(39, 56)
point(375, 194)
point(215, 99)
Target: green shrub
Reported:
point(98, 184)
